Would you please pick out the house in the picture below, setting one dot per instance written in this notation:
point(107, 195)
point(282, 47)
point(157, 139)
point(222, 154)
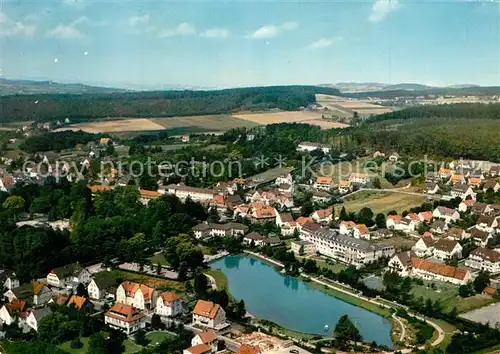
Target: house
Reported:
point(208, 314)
point(444, 173)
point(322, 216)
point(494, 171)
point(345, 187)
point(457, 179)
point(59, 299)
point(218, 202)
point(185, 139)
point(484, 259)
point(407, 265)
point(256, 238)
point(320, 196)
point(11, 281)
point(146, 196)
point(425, 216)
point(466, 205)
point(11, 311)
point(169, 304)
point(359, 178)
point(479, 236)
point(302, 247)
point(284, 179)
point(323, 183)
point(309, 146)
point(381, 233)
point(272, 241)
point(101, 287)
point(207, 337)
point(432, 188)
point(343, 248)
point(7, 183)
point(346, 227)
point(34, 293)
point(493, 184)
point(248, 349)
point(432, 177)
point(81, 303)
point(125, 318)
point(398, 223)
point(206, 229)
point(456, 233)
point(263, 214)
point(462, 191)
point(445, 213)
point(104, 141)
point(68, 276)
point(424, 247)
point(198, 349)
point(361, 231)
point(481, 209)
point(36, 316)
point(487, 223)
point(137, 295)
point(283, 219)
point(196, 194)
point(445, 249)
point(439, 227)
point(474, 182)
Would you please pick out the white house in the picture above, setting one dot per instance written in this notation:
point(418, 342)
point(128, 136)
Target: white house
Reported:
point(169, 304)
point(487, 223)
point(445, 213)
point(424, 247)
point(208, 314)
point(493, 184)
point(359, 178)
point(479, 236)
point(125, 318)
point(302, 247)
point(323, 183)
point(11, 282)
point(36, 316)
point(462, 191)
point(207, 337)
point(432, 188)
point(196, 194)
point(256, 238)
point(484, 259)
point(346, 227)
point(284, 179)
point(137, 295)
point(68, 276)
point(445, 249)
point(10, 312)
point(466, 205)
point(345, 187)
point(101, 287)
point(322, 216)
point(198, 349)
point(222, 230)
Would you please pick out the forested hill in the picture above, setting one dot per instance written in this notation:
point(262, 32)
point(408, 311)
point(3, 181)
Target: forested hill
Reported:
point(158, 104)
point(446, 91)
point(457, 110)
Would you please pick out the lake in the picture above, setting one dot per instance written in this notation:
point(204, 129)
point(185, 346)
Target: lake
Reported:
point(293, 304)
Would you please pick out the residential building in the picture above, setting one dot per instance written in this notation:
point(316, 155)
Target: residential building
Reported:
point(68, 276)
point(232, 229)
point(209, 315)
point(444, 173)
point(309, 146)
point(137, 295)
point(196, 194)
point(125, 318)
point(344, 248)
point(286, 179)
point(494, 171)
point(324, 216)
point(484, 259)
point(198, 349)
point(207, 337)
point(474, 182)
point(407, 265)
point(445, 249)
point(272, 241)
point(462, 191)
point(10, 312)
point(34, 293)
point(432, 188)
point(487, 223)
point(98, 188)
point(466, 205)
point(361, 231)
point(439, 227)
point(456, 233)
point(445, 213)
point(101, 287)
point(493, 184)
point(283, 219)
point(10, 281)
point(359, 178)
point(321, 196)
point(457, 179)
point(302, 247)
point(425, 216)
point(424, 247)
point(323, 183)
point(479, 236)
point(345, 187)
point(80, 303)
point(263, 214)
point(169, 304)
point(35, 316)
point(249, 349)
point(146, 196)
point(256, 238)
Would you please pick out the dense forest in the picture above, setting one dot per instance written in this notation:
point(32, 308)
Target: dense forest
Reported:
point(457, 110)
point(158, 104)
point(464, 91)
point(57, 141)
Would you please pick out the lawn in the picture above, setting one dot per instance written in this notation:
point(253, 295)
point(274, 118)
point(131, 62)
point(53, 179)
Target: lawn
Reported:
point(66, 346)
point(157, 337)
point(159, 258)
point(220, 278)
point(447, 294)
point(448, 329)
point(157, 283)
point(333, 266)
point(380, 202)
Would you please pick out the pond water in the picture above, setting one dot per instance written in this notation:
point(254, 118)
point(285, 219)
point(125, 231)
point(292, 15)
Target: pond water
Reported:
point(294, 304)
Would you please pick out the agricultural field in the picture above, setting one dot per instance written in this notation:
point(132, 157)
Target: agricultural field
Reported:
point(312, 118)
point(156, 283)
point(380, 202)
point(209, 123)
point(115, 126)
point(346, 106)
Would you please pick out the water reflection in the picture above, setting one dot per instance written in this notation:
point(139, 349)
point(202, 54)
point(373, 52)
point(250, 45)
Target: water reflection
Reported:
point(232, 262)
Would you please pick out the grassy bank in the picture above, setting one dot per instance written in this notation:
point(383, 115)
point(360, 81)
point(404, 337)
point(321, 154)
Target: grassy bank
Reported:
point(219, 276)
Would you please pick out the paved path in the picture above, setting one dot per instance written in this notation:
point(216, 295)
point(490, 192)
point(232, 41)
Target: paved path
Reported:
point(212, 281)
point(440, 331)
point(279, 264)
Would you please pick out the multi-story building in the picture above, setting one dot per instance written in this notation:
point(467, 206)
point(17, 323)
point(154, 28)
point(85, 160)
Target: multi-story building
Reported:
point(68, 276)
point(137, 295)
point(484, 259)
point(197, 194)
point(213, 229)
point(125, 318)
point(208, 314)
point(169, 304)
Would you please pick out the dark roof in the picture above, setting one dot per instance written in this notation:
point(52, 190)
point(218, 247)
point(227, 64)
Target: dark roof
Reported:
point(486, 254)
point(484, 219)
point(272, 240)
point(104, 283)
point(479, 234)
point(445, 245)
point(286, 217)
point(438, 224)
point(255, 236)
point(491, 183)
point(461, 188)
point(41, 313)
point(73, 269)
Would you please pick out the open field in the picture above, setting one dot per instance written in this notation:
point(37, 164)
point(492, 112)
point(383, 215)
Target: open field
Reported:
point(115, 126)
point(380, 202)
point(447, 294)
point(488, 314)
point(399, 242)
point(119, 275)
point(209, 123)
point(347, 106)
point(312, 118)
point(267, 176)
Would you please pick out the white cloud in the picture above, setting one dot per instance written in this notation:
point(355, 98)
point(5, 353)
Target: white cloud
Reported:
point(324, 42)
point(271, 31)
point(77, 4)
point(135, 20)
point(10, 28)
point(184, 29)
point(215, 33)
point(382, 8)
point(69, 31)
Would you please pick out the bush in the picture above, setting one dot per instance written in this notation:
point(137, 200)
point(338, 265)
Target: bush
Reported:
point(76, 343)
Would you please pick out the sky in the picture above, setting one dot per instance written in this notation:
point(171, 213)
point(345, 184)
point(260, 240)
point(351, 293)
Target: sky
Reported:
point(163, 43)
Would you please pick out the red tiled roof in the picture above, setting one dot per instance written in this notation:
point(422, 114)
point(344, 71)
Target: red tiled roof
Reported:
point(124, 313)
point(439, 269)
point(324, 180)
point(207, 336)
point(426, 215)
point(97, 188)
point(199, 349)
point(206, 309)
point(149, 194)
point(131, 288)
point(248, 349)
point(168, 296)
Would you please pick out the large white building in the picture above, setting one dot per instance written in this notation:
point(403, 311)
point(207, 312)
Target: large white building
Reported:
point(137, 295)
point(169, 304)
point(345, 248)
point(68, 276)
point(125, 318)
point(484, 259)
point(197, 194)
point(208, 314)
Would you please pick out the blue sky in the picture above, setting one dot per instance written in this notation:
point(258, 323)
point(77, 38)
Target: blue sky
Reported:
point(150, 43)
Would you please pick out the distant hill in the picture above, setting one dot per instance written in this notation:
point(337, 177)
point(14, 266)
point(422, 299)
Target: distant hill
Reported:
point(407, 86)
point(29, 87)
point(88, 106)
point(465, 91)
point(350, 87)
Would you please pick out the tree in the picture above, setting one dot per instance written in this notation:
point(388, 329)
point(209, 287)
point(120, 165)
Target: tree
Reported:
point(14, 203)
point(140, 338)
point(365, 216)
point(156, 322)
point(81, 290)
point(307, 208)
point(345, 331)
point(343, 216)
point(76, 343)
point(482, 281)
point(158, 268)
point(200, 284)
point(240, 310)
point(380, 221)
point(376, 183)
point(97, 344)
point(465, 290)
